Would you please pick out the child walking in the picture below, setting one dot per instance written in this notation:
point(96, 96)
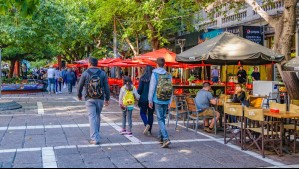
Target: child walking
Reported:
point(127, 97)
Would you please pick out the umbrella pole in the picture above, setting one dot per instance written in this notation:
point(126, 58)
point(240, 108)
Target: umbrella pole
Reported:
point(226, 77)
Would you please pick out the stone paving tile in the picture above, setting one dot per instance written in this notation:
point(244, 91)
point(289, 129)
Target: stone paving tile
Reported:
point(7, 158)
point(100, 163)
point(191, 155)
point(28, 158)
point(70, 161)
point(34, 141)
point(35, 165)
point(5, 165)
point(30, 132)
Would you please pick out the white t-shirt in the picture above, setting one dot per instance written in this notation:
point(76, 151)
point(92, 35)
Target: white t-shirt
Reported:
point(51, 73)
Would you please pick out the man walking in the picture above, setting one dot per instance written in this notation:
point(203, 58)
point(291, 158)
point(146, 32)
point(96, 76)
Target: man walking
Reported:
point(97, 89)
point(160, 94)
point(51, 79)
point(70, 77)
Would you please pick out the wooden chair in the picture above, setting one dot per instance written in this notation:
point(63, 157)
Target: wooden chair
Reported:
point(177, 109)
point(235, 128)
point(261, 132)
point(195, 114)
point(292, 129)
point(281, 107)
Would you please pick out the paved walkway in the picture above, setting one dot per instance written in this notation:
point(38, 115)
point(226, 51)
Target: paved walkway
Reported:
point(52, 131)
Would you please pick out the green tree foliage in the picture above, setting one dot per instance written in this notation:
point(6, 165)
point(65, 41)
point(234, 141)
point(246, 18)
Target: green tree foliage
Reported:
point(24, 7)
point(157, 20)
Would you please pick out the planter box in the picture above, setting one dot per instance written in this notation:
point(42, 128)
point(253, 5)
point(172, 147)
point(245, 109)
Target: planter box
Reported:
point(22, 88)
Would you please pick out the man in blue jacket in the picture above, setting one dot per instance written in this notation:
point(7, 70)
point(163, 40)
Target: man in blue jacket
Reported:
point(161, 106)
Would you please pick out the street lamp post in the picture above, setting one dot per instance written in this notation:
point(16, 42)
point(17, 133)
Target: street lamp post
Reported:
point(182, 43)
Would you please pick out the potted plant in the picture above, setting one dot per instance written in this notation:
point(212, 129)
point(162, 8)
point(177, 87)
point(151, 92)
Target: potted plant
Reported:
point(191, 79)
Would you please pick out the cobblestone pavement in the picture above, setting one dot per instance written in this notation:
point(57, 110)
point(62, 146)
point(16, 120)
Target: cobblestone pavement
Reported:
point(52, 131)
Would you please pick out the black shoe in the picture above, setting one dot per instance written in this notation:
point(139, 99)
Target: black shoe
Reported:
point(93, 142)
point(166, 144)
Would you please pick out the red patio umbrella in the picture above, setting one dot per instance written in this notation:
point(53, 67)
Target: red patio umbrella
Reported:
point(140, 62)
point(164, 53)
point(106, 62)
point(121, 64)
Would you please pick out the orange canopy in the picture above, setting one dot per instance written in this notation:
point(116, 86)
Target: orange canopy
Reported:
point(120, 64)
point(140, 62)
point(106, 62)
point(164, 53)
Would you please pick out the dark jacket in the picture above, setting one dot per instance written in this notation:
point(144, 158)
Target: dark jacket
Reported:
point(69, 77)
point(243, 77)
point(85, 78)
point(241, 99)
point(143, 91)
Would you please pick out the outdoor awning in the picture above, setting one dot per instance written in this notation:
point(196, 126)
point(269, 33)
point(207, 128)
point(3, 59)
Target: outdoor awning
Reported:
point(292, 65)
point(164, 53)
point(229, 49)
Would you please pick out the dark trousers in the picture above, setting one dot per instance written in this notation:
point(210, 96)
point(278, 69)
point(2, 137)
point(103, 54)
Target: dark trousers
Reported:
point(147, 114)
point(58, 86)
point(70, 87)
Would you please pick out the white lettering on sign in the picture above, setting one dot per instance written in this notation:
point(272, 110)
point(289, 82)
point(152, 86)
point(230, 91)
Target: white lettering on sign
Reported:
point(232, 109)
point(251, 113)
point(253, 31)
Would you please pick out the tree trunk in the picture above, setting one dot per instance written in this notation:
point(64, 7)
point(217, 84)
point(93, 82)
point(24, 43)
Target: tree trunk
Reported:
point(12, 68)
point(285, 29)
point(284, 32)
point(155, 42)
point(292, 82)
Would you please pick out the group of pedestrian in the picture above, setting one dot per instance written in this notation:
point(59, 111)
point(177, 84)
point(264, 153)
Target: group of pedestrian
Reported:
point(58, 78)
point(154, 94)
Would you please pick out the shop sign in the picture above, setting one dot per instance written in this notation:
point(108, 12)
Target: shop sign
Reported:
point(254, 34)
point(234, 30)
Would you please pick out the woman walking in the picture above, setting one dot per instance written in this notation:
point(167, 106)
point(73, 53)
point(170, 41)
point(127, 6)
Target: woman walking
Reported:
point(58, 81)
point(128, 95)
point(146, 113)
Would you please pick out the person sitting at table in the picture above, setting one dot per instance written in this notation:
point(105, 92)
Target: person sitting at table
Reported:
point(240, 96)
point(204, 100)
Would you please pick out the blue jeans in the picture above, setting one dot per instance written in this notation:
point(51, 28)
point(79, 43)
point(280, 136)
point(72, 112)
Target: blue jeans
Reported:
point(58, 85)
point(127, 113)
point(147, 115)
point(70, 87)
point(51, 85)
point(215, 79)
point(94, 108)
point(161, 110)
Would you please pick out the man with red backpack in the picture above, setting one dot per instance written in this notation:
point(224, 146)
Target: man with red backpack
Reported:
point(97, 90)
